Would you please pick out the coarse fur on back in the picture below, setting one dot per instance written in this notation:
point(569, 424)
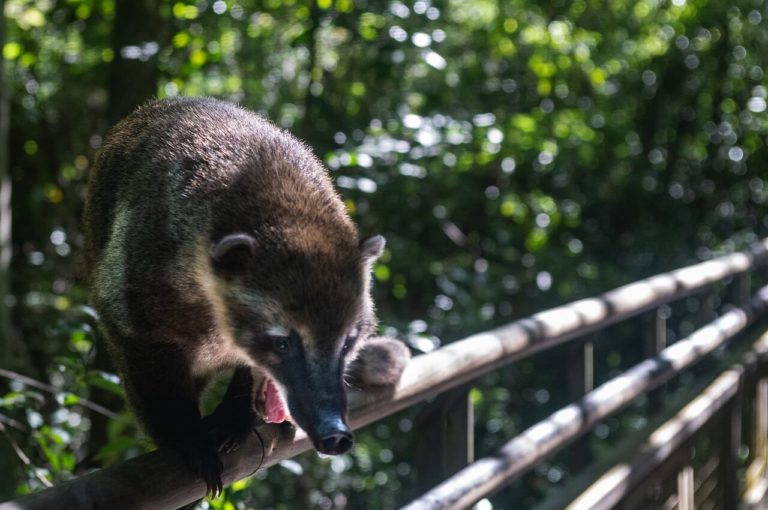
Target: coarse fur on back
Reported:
point(215, 239)
point(177, 175)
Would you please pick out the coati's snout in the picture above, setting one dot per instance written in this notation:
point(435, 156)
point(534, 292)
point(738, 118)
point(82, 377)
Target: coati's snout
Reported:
point(317, 402)
point(314, 390)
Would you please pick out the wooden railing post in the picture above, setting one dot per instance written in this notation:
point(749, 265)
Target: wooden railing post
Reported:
point(685, 491)
point(731, 445)
point(655, 341)
point(445, 438)
point(741, 288)
point(655, 327)
point(760, 433)
point(581, 380)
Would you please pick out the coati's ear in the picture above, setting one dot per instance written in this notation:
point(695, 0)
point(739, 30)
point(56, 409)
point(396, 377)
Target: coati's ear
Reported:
point(228, 243)
point(372, 247)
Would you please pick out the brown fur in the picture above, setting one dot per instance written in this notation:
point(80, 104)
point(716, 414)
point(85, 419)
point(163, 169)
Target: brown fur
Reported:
point(205, 226)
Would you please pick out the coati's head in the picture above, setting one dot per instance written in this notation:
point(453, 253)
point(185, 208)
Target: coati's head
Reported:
point(299, 306)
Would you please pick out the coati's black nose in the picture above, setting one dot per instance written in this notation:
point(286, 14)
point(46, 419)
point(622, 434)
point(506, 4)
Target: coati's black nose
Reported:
point(336, 443)
point(333, 437)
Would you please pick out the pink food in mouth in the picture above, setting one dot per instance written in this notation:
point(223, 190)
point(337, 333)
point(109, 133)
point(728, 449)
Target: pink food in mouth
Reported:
point(274, 407)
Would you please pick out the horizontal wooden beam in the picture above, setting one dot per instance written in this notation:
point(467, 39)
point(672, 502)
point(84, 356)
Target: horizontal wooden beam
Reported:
point(540, 441)
point(158, 479)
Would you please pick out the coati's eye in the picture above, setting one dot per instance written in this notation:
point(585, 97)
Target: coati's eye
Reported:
point(280, 344)
point(277, 339)
point(282, 341)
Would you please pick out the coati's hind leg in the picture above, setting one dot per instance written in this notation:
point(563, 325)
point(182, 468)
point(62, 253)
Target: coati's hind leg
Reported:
point(380, 362)
point(235, 417)
point(163, 394)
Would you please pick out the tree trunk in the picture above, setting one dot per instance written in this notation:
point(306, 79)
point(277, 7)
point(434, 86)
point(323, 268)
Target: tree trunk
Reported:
point(136, 43)
point(6, 326)
point(7, 464)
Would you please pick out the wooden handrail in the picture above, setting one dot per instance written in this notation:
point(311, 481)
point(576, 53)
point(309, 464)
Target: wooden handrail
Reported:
point(159, 480)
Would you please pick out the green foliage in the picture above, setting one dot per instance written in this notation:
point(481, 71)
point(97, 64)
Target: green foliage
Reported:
point(515, 154)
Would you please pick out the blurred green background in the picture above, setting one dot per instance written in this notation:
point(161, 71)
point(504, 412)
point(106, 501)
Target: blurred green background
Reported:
point(516, 155)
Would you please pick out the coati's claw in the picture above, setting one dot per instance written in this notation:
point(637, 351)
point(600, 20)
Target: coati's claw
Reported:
point(202, 458)
point(213, 484)
point(211, 471)
point(380, 362)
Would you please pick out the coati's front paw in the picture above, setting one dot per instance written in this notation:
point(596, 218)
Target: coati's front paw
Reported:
point(231, 423)
point(202, 457)
point(379, 362)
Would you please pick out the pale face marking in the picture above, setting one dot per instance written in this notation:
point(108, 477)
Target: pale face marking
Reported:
point(278, 330)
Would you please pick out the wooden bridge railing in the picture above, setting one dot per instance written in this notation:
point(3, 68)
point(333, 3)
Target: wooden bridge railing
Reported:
point(543, 439)
point(157, 479)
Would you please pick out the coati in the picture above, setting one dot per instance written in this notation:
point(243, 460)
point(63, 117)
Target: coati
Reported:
point(215, 239)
